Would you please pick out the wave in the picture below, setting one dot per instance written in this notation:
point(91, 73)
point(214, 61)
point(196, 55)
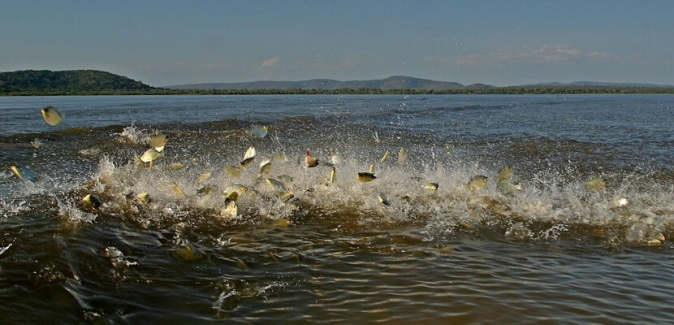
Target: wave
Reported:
point(631, 211)
point(554, 202)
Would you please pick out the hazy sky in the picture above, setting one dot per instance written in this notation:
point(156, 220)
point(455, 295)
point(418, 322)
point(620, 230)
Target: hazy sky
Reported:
point(492, 41)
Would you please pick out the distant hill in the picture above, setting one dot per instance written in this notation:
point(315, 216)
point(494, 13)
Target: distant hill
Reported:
point(402, 83)
point(600, 84)
point(67, 82)
point(391, 83)
point(93, 82)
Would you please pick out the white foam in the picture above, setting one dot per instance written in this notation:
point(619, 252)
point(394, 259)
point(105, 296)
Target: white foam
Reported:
point(73, 215)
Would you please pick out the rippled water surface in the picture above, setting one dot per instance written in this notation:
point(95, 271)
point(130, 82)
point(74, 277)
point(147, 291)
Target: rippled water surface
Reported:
point(579, 232)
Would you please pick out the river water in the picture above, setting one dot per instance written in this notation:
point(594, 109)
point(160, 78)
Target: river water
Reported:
point(578, 234)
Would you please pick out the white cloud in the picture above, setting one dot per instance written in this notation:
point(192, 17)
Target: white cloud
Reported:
point(270, 62)
point(555, 53)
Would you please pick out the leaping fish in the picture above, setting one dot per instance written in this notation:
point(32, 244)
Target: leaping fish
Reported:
point(187, 252)
point(383, 199)
point(51, 115)
point(504, 174)
point(385, 156)
point(431, 186)
point(335, 158)
point(143, 198)
point(621, 202)
point(234, 191)
point(232, 171)
point(285, 196)
point(149, 156)
point(203, 177)
point(279, 157)
point(231, 210)
point(158, 141)
point(36, 143)
point(265, 167)
point(176, 166)
point(596, 183)
point(503, 180)
point(93, 200)
point(178, 191)
point(477, 183)
point(366, 177)
point(259, 131)
point(333, 175)
point(248, 157)
point(376, 137)
point(25, 173)
point(402, 158)
point(310, 160)
point(276, 185)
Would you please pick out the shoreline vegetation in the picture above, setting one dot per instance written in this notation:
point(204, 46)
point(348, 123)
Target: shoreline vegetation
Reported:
point(92, 82)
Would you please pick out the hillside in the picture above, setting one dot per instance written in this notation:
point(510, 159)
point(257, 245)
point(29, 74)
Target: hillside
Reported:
point(69, 82)
point(599, 84)
point(93, 82)
point(391, 83)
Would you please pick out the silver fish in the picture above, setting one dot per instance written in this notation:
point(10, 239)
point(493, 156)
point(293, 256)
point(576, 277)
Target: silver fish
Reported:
point(158, 142)
point(178, 191)
point(36, 143)
point(232, 171)
point(187, 252)
point(335, 158)
point(234, 191)
point(51, 115)
point(621, 202)
point(93, 200)
point(231, 210)
point(279, 157)
point(259, 131)
point(175, 166)
point(276, 185)
point(203, 177)
point(265, 167)
point(596, 183)
point(383, 199)
point(366, 177)
point(504, 174)
point(333, 176)
point(149, 156)
point(402, 158)
point(25, 173)
point(385, 156)
point(285, 196)
point(477, 182)
point(310, 161)
point(143, 198)
point(431, 186)
point(206, 190)
point(503, 181)
point(248, 157)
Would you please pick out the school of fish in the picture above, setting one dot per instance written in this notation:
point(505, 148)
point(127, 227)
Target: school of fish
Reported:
point(279, 186)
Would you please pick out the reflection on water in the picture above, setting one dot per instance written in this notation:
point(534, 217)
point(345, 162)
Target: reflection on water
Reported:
point(580, 232)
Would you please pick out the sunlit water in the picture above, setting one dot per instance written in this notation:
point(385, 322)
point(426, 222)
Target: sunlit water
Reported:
point(554, 251)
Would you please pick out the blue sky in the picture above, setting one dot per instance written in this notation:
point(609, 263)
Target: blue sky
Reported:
point(501, 43)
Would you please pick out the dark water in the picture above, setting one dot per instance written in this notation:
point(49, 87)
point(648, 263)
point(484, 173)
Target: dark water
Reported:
point(556, 250)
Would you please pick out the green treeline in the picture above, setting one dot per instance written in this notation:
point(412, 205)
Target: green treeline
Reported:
point(71, 82)
point(365, 91)
point(502, 90)
point(92, 82)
